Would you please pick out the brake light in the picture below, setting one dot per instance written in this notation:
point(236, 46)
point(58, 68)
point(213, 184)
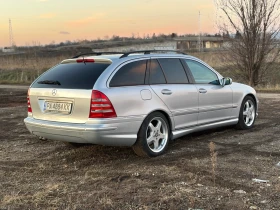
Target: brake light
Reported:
point(29, 109)
point(85, 60)
point(101, 106)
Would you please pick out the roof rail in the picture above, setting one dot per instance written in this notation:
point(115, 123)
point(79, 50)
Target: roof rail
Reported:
point(149, 52)
point(97, 53)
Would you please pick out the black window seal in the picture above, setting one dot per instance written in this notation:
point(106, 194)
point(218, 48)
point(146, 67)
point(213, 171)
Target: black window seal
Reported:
point(147, 72)
point(147, 78)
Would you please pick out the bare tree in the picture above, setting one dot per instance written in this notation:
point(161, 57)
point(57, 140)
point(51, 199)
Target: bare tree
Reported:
point(255, 49)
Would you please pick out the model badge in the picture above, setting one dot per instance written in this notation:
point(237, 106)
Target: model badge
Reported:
point(54, 91)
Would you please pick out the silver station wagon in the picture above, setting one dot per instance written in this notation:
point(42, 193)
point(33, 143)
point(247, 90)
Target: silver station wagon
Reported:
point(141, 99)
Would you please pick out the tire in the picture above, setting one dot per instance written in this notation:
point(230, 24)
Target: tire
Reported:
point(153, 136)
point(247, 113)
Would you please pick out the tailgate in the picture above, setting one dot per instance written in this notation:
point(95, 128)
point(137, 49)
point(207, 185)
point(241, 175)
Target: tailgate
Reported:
point(62, 105)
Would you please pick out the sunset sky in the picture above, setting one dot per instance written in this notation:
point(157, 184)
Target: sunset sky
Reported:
point(45, 21)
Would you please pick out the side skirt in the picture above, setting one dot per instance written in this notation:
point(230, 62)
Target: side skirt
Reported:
point(178, 133)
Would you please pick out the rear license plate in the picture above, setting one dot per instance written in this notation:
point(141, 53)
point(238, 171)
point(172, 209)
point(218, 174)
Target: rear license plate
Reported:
point(58, 107)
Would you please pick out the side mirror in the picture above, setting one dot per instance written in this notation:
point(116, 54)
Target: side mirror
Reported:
point(226, 81)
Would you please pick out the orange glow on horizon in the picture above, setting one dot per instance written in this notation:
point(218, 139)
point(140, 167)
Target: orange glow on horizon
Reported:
point(47, 21)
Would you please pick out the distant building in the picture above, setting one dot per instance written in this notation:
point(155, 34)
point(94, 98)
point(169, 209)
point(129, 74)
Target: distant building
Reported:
point(8, 49)
point(170, 47)
point(191, 43)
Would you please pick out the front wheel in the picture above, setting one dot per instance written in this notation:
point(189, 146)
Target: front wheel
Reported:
point(153, 136)
point(247, 114)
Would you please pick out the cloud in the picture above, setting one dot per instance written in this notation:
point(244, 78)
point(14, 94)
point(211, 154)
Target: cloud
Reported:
point(86, 21)
point(47, 16)
point(64, 32)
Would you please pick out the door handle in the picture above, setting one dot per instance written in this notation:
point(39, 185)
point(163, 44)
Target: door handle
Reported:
point(202, 90)
point(166, 92)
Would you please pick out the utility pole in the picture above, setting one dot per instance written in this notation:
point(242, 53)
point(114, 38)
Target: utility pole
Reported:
point(199, 33)
point(11, 33)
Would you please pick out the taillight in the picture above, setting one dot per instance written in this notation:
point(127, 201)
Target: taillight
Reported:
point(29, 109)
point(101, 106)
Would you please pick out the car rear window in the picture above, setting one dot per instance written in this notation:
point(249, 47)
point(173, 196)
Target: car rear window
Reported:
point(71, 76)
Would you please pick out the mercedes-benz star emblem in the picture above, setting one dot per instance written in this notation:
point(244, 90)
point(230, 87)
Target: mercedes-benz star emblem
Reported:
point(54, 91)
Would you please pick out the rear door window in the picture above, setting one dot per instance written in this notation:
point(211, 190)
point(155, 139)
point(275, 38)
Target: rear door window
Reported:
point(71, 76)
point(156, 74)
point(173, 70)
point(131, 74)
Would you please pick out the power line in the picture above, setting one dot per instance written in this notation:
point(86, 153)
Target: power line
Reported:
point(199, 33)
point(11, 33)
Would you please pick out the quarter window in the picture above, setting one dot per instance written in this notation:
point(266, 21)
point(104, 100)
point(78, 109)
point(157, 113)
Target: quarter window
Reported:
point(156, 74)
point(202, 74)
point(130, 74)
point(173, 70)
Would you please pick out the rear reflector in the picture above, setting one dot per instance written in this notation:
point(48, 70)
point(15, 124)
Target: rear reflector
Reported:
point(29, 109)
point(101, 106)
point(85, 60)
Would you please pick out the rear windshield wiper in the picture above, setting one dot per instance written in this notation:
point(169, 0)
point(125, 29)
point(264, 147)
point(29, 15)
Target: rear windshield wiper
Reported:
point(49, 82)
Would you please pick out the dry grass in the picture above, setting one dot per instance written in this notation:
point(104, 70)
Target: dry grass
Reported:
point(213, 155)
point(25, 68)
point(29, 62)
point(269, 88)
point(49, 192)
point(49, 175)
point(215, 59)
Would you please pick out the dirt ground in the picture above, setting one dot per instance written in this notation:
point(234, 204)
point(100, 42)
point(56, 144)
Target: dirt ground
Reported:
point(37, 174)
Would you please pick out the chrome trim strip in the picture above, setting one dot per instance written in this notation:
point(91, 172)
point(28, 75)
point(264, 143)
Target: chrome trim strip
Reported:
point(185, 111)
point(215, 108)
point(182, 132)
point(125, 136)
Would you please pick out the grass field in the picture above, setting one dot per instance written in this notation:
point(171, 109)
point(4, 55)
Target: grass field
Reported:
point(24, 68)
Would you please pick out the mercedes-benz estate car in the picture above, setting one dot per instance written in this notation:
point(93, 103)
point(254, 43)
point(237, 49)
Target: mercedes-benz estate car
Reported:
point(142, 100)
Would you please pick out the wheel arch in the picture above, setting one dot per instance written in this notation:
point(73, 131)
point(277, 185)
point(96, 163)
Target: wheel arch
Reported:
point(168, 117)
point(255, 100)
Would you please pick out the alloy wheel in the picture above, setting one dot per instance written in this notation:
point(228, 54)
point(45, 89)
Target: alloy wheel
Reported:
point(157, 134)
point(249, 113)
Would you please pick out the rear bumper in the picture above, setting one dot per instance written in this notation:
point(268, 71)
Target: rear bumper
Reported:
point(117, 133)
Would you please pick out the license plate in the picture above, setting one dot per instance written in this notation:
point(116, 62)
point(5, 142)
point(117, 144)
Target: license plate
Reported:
point(57, 107)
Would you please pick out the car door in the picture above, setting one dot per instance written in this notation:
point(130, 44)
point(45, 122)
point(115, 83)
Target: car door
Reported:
point(169, 81)
point(215, 101)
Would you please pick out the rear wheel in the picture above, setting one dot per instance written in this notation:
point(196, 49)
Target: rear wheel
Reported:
point(247, 114)
point(153, 136)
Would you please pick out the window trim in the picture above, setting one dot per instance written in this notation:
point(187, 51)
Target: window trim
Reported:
point(122, 65)
point(190, 72)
